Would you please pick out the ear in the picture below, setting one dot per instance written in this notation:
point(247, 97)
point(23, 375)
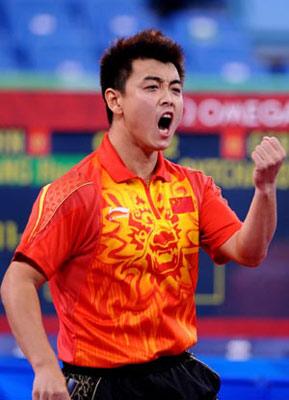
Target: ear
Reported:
point(113, 100)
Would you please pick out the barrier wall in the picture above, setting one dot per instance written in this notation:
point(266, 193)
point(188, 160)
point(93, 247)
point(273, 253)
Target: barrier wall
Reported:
point(42, 134)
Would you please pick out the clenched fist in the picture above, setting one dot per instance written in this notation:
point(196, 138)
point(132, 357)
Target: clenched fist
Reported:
point(268, 157)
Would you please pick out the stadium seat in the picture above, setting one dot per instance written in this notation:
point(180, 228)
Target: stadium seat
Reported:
point(43, 22)
point(7, 58)
point(209, 41)
point(65, 60)
point(34, 27)
point(110, 18)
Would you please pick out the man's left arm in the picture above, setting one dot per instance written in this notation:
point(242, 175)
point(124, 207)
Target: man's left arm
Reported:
point(249, 245)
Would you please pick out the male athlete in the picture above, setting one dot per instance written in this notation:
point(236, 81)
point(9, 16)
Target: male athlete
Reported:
point(118, 237)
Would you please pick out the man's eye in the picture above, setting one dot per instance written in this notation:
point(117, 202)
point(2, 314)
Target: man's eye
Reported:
point(177, 90)
point(152, 87)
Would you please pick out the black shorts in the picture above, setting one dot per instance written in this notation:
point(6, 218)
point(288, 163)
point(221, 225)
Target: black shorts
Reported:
point(181, 377)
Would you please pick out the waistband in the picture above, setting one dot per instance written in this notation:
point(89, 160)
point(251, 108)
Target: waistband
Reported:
point(158, 365)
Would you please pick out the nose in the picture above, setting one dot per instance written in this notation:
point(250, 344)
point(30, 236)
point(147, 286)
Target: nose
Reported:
point(167, 97)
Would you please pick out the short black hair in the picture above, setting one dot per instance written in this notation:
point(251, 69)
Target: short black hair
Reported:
point(116, 62)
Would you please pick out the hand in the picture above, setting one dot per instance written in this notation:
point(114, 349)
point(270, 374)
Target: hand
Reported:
point(49, 384)
point(268, 157)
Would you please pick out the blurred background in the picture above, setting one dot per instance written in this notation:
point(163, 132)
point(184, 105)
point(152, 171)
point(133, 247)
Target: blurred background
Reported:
point(236, 91)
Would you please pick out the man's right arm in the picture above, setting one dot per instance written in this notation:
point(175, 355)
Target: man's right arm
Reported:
point(21, 302)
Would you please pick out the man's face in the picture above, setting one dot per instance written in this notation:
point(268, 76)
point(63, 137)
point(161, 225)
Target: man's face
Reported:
point(152, 104)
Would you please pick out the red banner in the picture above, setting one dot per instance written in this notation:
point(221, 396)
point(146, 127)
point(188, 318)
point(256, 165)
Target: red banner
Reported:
point(202, 111)
point(229, 115)
point(219, 111)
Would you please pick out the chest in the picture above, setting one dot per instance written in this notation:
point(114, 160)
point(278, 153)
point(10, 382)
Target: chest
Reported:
point(143, 222)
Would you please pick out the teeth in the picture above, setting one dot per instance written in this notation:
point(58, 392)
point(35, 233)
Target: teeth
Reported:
point(167, 115)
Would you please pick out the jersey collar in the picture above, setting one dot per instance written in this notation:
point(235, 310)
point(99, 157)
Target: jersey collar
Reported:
point(113, 164)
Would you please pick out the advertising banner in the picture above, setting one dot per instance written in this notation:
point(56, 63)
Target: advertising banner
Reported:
point(42, 135)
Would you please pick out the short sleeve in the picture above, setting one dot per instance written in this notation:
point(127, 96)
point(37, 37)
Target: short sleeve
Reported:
point(58, 227)
point(218, 222)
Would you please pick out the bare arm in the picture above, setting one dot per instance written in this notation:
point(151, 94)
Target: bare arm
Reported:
point(21, 302)
point(249, 245)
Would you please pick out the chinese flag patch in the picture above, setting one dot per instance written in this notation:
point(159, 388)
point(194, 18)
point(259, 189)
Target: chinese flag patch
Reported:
point(181, 205)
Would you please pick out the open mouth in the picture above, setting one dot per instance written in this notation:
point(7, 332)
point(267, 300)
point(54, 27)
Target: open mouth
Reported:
point(165, 121)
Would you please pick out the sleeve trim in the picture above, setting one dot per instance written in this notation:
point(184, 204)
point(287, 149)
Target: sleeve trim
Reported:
point(47, 220)
point(41, 203)
point(23, 258)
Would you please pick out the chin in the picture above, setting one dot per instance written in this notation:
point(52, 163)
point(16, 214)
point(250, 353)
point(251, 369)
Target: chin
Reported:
point(159, 143)
point(161, 146)
point(165, 143)
point(164, 146)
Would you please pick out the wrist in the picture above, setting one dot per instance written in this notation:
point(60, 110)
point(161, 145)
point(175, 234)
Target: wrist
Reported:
point(39, 364)
point(267, 189)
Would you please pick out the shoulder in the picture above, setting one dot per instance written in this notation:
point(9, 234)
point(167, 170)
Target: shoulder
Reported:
point(197, 178)
point(69, 186)
point(74, 193)
point(82, 177)
point(202, 184)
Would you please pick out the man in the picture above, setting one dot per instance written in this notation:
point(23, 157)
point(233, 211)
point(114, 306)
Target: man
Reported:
point(118, 237)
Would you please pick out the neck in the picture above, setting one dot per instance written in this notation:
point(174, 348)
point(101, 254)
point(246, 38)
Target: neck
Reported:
point(137, 160)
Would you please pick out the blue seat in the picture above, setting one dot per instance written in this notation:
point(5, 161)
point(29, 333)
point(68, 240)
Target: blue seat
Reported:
point(278, 390)
point(7, 58)
point(209, 40)
point(110, 19)
point(8, 53)
point(43, 22)
point(65, 60)
point(216, 61)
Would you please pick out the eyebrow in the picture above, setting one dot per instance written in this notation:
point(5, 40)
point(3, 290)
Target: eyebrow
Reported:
point(160, 80)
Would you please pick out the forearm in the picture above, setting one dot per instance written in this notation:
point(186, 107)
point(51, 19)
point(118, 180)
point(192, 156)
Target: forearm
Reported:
point(22, 307)
point(254, 237)
point(249, 245)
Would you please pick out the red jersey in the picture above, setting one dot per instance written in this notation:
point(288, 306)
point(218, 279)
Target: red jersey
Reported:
point(121, 256)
